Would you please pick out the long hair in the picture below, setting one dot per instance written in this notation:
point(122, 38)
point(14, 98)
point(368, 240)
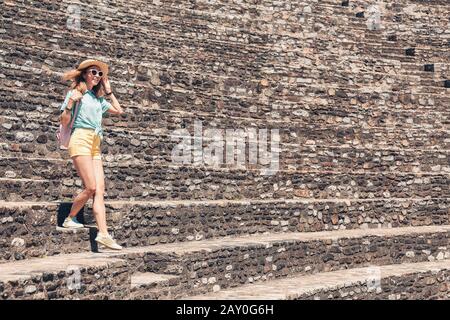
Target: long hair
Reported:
point(78, 82)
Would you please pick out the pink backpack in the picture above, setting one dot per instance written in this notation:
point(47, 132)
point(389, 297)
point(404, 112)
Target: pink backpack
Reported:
point(64, 132)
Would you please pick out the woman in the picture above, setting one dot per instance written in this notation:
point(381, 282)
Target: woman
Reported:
point(89, 84)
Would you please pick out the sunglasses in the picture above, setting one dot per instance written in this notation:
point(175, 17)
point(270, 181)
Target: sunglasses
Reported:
point(95, 72)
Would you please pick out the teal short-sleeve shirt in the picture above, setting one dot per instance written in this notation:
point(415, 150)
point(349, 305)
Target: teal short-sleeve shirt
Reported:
point(90, 111)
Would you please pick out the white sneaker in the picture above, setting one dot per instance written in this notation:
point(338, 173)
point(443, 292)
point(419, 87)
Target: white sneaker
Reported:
point(107, 241)
point(72, 223)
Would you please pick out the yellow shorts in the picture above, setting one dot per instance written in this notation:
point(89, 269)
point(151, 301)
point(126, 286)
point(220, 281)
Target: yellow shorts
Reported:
point(84, 142)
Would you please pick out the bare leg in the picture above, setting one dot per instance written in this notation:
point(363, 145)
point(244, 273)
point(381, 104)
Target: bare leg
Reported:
point(85, 170)
point(99, 203)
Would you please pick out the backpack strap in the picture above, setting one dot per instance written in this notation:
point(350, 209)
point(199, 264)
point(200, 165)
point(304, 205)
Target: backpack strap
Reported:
point(75, 114)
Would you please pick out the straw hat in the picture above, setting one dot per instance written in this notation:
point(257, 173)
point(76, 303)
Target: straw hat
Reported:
point(91, 62)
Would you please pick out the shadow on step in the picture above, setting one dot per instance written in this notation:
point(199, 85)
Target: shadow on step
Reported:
point(63, 213)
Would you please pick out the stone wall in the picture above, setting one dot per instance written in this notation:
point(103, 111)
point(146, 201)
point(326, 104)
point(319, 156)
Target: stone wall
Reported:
point(110, 281)
point(415, 286)
point(29, 231)
point(201, 272)
point(361, 110)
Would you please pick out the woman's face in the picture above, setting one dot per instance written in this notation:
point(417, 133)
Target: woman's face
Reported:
point(93, 76)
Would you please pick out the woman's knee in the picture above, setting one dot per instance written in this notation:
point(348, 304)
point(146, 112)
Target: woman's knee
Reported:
point(100, 190)
point(91, 190)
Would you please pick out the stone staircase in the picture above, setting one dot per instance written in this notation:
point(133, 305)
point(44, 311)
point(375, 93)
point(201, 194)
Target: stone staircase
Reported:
point(359, 208)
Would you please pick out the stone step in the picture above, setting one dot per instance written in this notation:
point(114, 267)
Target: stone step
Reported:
point(27, 229)
point(302, 159)
point(393, 8)
point(235, 52)
point(14, 130)
point(149, 279)
point(201, 82)
point(260, 41)
point(427, 48)
point(384, 66)
point(313, 158)
point(225, 87)
point(236, 94)
point(152, 182)
point(204, 86)
point(321, 8)
point(81, 276)
point(173, 19)
point(212, 265)
point(34, 106)
point(399, 56)
point(171, 12)
point(418, 281)
point(148, 285)
point(17, 156)
point(258, 258)
point(420, 6)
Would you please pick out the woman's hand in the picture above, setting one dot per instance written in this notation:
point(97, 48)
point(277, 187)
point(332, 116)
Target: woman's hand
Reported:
point(76, 95)
point(106, 84)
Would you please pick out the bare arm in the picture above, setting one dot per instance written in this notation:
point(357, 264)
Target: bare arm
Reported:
point(116, 108)
point(65, 115)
